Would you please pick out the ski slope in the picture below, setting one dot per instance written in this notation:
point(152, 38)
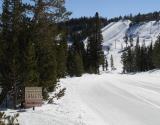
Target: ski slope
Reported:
point(114, 33)
point(113, 37)
point(106, 99)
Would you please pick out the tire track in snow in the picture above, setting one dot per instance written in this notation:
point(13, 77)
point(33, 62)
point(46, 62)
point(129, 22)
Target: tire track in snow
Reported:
point(143, 92)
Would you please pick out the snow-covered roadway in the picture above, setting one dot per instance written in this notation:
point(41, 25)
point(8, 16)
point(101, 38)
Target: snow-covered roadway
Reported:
point(119, 99)
point(106, 99)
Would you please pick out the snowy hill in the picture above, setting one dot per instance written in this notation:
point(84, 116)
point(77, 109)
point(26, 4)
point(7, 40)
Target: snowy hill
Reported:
point(114, 33)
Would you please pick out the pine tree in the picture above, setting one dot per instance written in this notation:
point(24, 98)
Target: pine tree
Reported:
point(78, 62)
point(156, 53)
point(137, 56)
point(150, 57)
point(106, 64)
point(46, 55)
point(75, 58)
point(4, 39)
point(61, 57)
point(12, 18)
point(144, 65)
point(70, 62)
point(124, 61)
point(32, 75)
point(129, 60)
point(28, 47)
point(44, 38)
point(112, 63)
point(131, 41)
point(126, 40)
point(94, 47)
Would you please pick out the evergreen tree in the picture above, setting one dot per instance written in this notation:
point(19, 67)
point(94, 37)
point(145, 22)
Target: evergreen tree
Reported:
point(78, 62)
point(150, 57)
point(106, 64)
point(112, 63)
point(61, 57)
point(94, 47)
point(156, 53)
point(131, 41)
point(124, 61)
point(12, 18)
point(32, 75)
point(70, 62)
point(44, 39)
point(129, 60)
point(126, 40)
point(4, 41)
point(137, 56)
point(28, 47)
point(75, 60)
point(144, 65)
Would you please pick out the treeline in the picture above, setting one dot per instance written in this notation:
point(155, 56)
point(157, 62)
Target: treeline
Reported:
point(154, 16)
point(139, 18)
point(141, 58)
point(80, 26)
point(84, 24)
point(32, 48)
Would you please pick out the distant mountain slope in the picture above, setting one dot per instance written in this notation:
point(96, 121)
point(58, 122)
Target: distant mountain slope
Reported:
point(147, 31)
point(114, 33)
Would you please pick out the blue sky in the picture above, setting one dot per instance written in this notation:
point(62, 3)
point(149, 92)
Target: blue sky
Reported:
point(110, 8)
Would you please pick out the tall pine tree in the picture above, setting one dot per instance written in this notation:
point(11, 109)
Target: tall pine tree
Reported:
point(94, 47)
point(156, 53)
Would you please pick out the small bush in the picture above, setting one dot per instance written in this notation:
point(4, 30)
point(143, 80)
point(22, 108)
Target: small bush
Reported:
point(8, 120)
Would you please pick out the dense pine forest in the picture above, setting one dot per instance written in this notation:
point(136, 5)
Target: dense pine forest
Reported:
point(30, 46)
point(141, 58)
point(34, 48)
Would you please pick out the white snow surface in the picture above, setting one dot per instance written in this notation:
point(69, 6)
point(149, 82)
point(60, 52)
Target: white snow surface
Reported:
point(110, 98)
point(106, 99)
point(113, 37)
point(114, 33)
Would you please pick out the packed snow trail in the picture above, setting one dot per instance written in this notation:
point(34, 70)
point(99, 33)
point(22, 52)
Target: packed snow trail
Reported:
point(120, 99)
point(106, 99)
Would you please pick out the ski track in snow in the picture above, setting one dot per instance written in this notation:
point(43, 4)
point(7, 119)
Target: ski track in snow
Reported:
point(110, 98)
point(120, 101)
point(106, 99)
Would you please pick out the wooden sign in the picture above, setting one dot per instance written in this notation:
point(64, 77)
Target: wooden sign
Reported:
point(33, 96)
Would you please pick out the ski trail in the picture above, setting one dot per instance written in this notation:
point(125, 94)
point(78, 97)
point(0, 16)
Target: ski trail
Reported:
point(115, 98)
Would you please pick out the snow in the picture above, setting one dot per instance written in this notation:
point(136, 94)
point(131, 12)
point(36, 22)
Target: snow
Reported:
point(106, 99)
point(114, 33)
point(113, 38)
point(110, 98)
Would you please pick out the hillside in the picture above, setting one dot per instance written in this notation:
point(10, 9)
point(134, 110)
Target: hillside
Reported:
point(114, 33)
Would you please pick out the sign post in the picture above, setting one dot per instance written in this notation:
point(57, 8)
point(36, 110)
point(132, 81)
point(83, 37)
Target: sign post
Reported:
point(33, 97)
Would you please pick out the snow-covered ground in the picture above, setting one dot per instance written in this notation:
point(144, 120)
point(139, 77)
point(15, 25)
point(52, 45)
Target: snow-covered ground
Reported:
point(114, 33)
point(106, 99)
point(110, 98)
